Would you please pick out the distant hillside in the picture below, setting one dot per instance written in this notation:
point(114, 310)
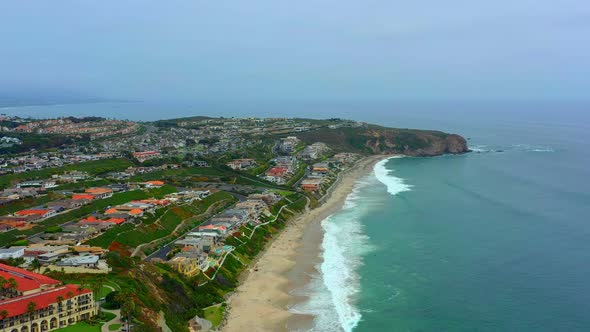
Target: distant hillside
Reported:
point(373, 139)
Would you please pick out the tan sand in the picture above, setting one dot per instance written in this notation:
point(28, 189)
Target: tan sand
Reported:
point(261, 301)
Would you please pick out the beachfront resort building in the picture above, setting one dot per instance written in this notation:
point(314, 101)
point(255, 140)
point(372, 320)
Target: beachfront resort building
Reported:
point(31, 302)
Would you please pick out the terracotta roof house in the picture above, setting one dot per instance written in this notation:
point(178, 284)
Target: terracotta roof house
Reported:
point(41, 214)
point(49, 314)
point(83, 197)
point(99, 193)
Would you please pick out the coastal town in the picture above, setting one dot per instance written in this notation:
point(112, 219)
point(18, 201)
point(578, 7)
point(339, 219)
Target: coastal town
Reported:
point(92, 199)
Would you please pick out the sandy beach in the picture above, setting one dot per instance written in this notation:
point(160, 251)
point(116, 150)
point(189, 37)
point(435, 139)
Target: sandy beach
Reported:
point(261, 302)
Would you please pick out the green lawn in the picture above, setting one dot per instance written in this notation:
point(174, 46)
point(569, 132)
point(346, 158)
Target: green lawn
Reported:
point(114, 327)
point(104, 291)
point(80, 327)
point(214, 315)
point(107, 316)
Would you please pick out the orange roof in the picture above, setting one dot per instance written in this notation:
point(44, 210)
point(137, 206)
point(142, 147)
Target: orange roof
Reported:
point(13, 223)
point(18, 306)
point(111, 211)
point(31, 212)
point(135, 212)
point(82, 196)
point(98, 191)
point(26, 280)
point(155, 183)
point(113, 220)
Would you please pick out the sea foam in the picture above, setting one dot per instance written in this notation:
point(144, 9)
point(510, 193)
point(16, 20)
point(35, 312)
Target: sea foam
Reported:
point(333, 291)
point(394, 184)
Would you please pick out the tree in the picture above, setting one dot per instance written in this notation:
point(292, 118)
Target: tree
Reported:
point(60, 300)
point(36, 265)
point(3, 315)
point(127, 306)
point(3, 282)
point(13, 286)
point(31, 306)
point(96, 287)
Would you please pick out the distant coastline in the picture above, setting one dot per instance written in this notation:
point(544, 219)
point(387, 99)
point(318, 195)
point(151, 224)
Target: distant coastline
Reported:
point(13, 105)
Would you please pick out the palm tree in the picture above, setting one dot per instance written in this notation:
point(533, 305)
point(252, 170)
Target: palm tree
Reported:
point(30, 310)
point(96, 287)
point(127, 306)
point(3, 282)
point(59, 300)
point(3, 315)
point(36, 265)
point(13, 286)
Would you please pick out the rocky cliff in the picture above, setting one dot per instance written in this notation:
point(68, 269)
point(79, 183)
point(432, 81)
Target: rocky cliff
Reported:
point(373, 139)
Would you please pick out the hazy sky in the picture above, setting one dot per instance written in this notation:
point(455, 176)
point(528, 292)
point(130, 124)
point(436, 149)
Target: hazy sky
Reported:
point(298, 50)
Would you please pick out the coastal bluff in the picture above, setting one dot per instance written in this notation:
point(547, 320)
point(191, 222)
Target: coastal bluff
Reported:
point(373, 139)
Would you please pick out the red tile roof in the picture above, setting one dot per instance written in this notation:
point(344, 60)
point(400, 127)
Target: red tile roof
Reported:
point(26, 280)
point(31, 212)
point(155, 183)
point(98, 191)
point(18, 306)
point(136, 212)
point(113, 220)
point(83, 196)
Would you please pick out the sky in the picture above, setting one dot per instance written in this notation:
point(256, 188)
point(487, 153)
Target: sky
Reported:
point(205, 50)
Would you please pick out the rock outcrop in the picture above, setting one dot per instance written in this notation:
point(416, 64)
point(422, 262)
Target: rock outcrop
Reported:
point(380, 140)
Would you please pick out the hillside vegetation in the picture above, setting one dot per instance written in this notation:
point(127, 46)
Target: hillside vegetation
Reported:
point(373, 139)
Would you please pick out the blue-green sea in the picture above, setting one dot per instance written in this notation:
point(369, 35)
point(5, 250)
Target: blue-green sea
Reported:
point(494, 240)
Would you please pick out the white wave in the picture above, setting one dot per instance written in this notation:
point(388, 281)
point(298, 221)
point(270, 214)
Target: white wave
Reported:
point(532, 148)
point(332, 292)
point(394, 184)
point(480, 148)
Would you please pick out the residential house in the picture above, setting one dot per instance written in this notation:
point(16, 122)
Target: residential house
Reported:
point(12, 252)
point(311, 184)
point(36, 214)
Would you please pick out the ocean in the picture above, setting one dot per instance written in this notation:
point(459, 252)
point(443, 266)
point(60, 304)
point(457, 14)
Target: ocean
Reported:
point(494, 240)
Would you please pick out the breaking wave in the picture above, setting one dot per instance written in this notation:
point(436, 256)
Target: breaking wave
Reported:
point(394, 184)
point(333, 290)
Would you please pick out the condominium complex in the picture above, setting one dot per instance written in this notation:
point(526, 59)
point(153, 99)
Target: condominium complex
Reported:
point(31, 302)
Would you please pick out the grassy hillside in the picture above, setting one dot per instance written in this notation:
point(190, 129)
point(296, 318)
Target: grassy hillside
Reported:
point(92, 167)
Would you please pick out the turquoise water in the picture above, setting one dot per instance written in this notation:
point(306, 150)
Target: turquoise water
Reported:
point(487, 241)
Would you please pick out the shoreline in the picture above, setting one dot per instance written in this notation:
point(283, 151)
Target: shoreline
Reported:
point(263, 298)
